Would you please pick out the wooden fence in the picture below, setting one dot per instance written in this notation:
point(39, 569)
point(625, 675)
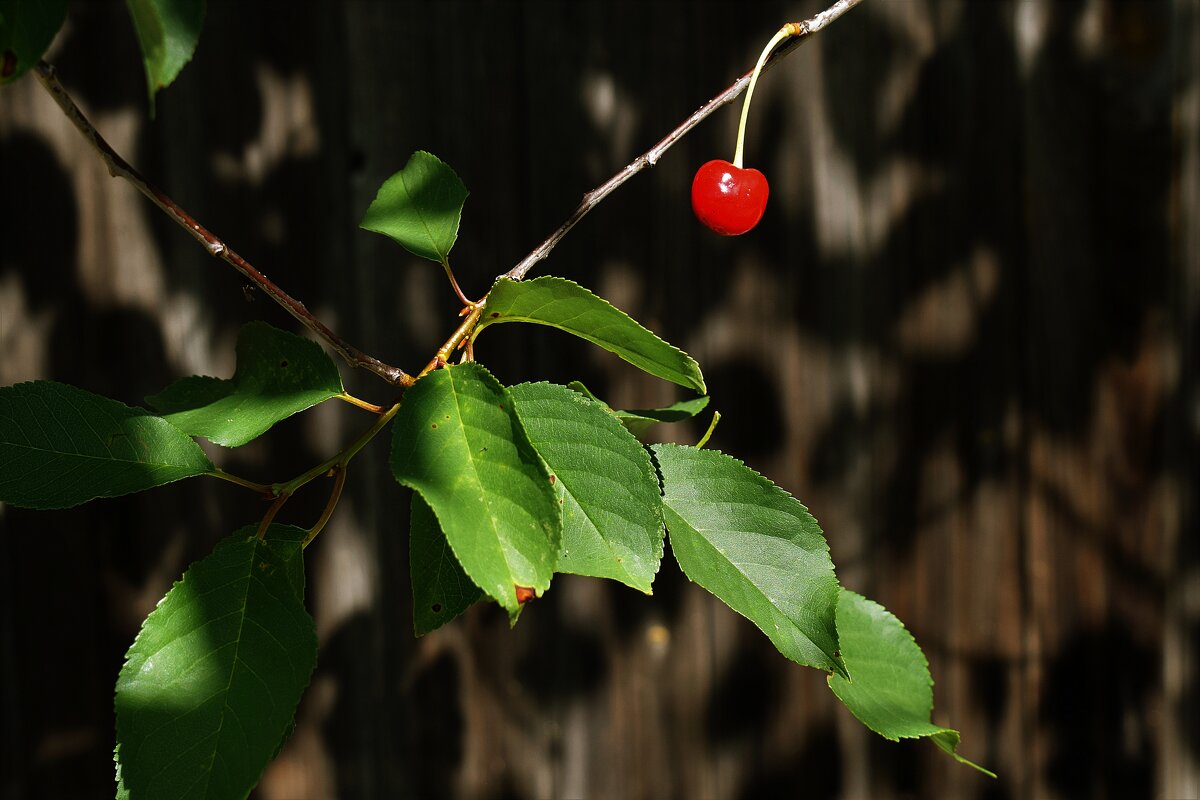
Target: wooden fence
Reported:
point(965, 335)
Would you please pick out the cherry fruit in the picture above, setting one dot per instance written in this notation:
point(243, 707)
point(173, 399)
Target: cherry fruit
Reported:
point(727, 197)
point(729, 200)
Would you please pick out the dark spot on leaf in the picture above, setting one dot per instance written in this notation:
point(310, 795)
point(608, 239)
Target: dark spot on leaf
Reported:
point(494, 314)
point(524, 594)
point(436, 608)
point(434, 425)
point(447, 416)
point(553, 478)
point(10, 64)
point(283, 364)
point(502, 406)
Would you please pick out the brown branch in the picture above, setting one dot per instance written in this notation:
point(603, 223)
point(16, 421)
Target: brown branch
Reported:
point(120, 168)
point(802, 30)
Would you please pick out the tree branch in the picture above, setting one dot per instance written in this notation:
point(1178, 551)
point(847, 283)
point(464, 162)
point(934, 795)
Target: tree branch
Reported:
point(120, 168)
point(803, 30)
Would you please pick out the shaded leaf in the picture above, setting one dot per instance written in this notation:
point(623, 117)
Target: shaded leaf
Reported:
point(566, 305)
point(212, 681)
point(278, 374)
point(459, 443)
point(420, 207)
point(755, 547)
point(167, 32)
point(612, 509)
point(639, 421)
point(61, 446)
point(26, 29)
point(891, 691)
point(441, 590)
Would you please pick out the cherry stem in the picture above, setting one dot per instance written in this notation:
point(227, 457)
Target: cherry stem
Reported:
point(790, 29)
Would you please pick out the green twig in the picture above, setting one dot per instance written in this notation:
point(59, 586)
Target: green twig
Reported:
point(335, 495)
point(712, 426)
point(261, 488)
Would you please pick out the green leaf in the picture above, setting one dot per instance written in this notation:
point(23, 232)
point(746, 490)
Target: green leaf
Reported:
point(278, 374)
point(441, 590)
point(566, 305)
point(167, 31)
point(612, 509)
point(639, 421)
point(891, 691)
point(26, 29)
point(420, 207)
point(212, 681)
point(61, 446)
point(755, 547)
point(458, 441)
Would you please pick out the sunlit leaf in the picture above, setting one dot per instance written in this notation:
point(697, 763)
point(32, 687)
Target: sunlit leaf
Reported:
point(890, 690)
point(419, 207)
point(566, 305)
point(459, 443)
point(61, 446)
point(278, 374)
point(640, 421)
point(755, 547)
point(612, 510)
point(211, 684)
point(167, 31)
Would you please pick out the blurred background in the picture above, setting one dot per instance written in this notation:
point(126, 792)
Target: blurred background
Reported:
point(964, 335)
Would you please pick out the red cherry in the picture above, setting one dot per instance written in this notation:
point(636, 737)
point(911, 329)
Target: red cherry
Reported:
point(727, 199)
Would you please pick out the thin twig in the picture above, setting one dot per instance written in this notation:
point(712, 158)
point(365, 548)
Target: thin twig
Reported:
point(118, 167)
point(334, 497)
point(648, 159)
point(261, 488)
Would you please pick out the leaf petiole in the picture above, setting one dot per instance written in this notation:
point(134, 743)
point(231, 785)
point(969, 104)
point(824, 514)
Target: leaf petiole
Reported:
point(342, 459)
point(261, 488)
point(363, 404)
point(270, 515)
point(712, 426)
point(454, 284)
point(336, 495)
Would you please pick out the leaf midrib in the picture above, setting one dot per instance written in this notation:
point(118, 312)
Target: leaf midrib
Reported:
point(478, 481)
point(421, 216)
point(737, 568)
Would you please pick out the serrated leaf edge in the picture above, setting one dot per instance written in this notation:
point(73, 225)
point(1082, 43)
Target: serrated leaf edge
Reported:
point(939, 733)
point(838, 665)
point(659, 542)
point(486, 321)
point(514, 609)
